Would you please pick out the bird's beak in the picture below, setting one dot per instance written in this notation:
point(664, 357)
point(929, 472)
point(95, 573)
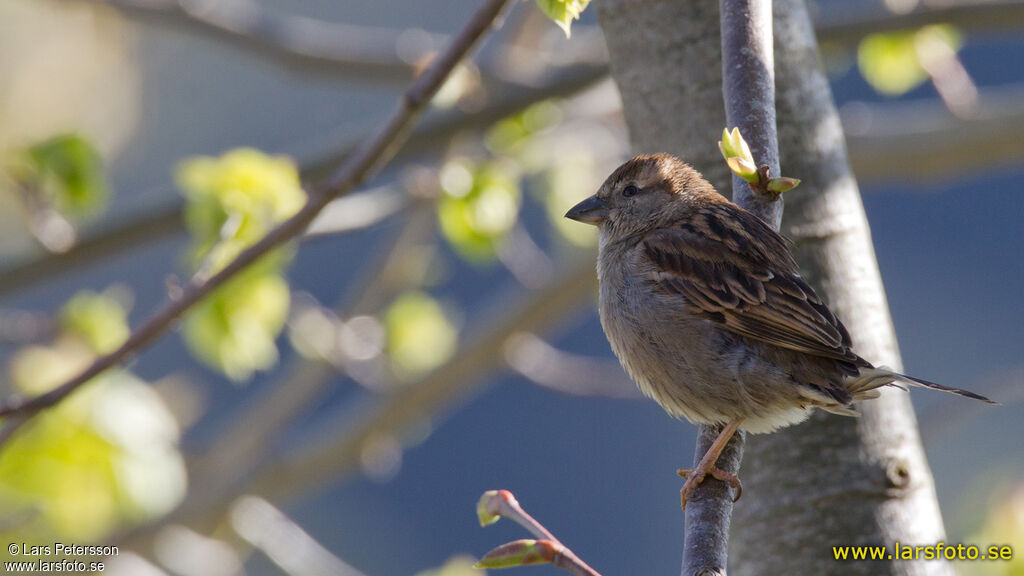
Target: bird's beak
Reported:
point(593, 210)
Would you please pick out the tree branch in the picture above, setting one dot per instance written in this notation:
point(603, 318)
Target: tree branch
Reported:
point(342, 215)
point(848, 23)
point(301, 44)
point(748, 85)
point(120, 235)
point(923, 141)
point(709, 512)
point(373, 153)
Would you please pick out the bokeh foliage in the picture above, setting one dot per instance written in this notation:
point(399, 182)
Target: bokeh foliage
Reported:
point(893, 62)
point(231, 202)
point(105, 457)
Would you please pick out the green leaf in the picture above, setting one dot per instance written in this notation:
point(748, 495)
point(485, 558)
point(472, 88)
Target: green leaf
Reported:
point(479, 207)
point(235, 328)
point(419, 334)
point(733, 145)
point(68, 170)
point(100, 320)
point(563, 12)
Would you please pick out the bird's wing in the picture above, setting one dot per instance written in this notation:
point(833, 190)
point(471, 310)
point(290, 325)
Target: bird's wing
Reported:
point(731, 268)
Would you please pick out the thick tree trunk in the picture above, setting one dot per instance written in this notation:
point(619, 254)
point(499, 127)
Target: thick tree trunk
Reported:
point(666, 60)
point(833, 481)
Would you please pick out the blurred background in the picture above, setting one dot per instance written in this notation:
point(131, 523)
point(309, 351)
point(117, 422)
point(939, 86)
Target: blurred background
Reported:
point(342, 406)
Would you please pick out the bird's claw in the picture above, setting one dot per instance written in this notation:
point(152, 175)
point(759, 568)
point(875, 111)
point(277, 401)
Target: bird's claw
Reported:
point(694, 477)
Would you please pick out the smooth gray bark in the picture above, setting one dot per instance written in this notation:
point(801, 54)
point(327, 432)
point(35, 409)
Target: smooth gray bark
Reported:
point(709, 514)
point(665, 59)
point(748, 84)
point(832, 481)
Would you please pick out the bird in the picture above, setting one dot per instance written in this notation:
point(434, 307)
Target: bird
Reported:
point(706, 310)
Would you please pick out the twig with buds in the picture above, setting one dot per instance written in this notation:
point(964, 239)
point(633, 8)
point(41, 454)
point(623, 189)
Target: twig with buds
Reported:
point(545, 550)
point(737, 155)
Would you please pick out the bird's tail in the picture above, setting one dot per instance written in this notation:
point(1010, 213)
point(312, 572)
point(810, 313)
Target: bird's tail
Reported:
point(875, 377)
point(926, 384)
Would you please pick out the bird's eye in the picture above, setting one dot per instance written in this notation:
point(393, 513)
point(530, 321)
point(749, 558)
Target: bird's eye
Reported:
point(630, 191)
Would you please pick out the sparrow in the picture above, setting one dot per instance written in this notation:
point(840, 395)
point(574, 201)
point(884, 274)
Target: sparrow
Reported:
point(705, 308)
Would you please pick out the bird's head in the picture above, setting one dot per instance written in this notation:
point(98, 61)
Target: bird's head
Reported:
point(642, 195)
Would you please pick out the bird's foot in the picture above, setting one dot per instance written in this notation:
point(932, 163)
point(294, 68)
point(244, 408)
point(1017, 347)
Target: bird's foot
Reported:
point(694, 476)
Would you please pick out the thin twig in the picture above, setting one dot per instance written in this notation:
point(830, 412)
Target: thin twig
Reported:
point(302, 44)
point(502, 503)
point(372, 154)
point(120, 235)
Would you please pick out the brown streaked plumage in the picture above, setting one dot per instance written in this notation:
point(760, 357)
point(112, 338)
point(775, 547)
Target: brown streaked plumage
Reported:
point(705, 307)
